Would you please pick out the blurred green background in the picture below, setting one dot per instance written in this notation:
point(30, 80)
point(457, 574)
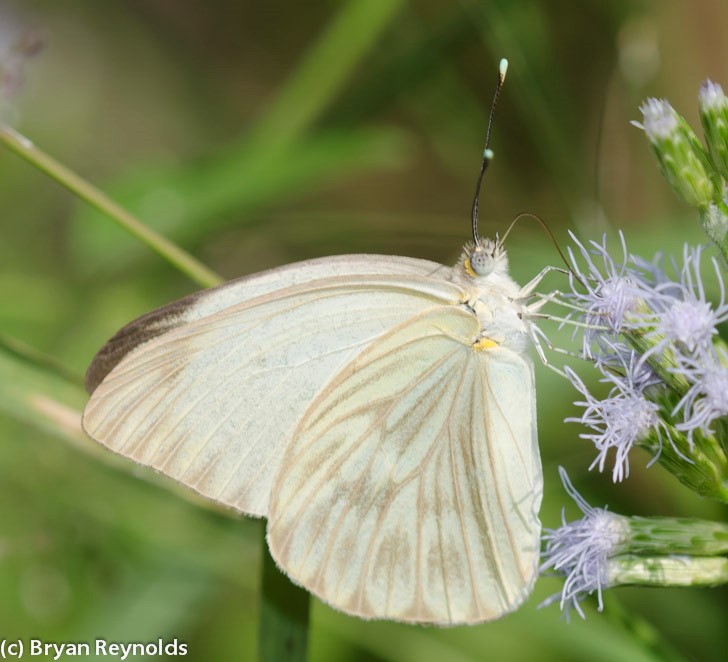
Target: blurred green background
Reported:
point(255, 134)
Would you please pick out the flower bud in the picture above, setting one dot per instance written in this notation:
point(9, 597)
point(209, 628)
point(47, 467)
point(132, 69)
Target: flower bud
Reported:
point(681, 158)
point(714, 219)
point(714, 117)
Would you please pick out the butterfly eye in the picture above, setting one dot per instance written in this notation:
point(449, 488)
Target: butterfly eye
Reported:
point(482, 261)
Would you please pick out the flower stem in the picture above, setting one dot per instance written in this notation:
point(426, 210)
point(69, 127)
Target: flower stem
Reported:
point(179, 258)
point(283, 634)
point(675, 536)
point(678, 570)
point(38, 359)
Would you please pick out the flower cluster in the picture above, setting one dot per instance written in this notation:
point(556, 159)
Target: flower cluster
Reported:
point(655, 340)
point(653, 333)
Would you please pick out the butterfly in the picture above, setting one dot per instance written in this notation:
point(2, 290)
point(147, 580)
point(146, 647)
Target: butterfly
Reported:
point(379, 411)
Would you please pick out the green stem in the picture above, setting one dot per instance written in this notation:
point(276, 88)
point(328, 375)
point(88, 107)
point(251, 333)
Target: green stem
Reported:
point(35, 357)
point(283, 635)
point(182, 260)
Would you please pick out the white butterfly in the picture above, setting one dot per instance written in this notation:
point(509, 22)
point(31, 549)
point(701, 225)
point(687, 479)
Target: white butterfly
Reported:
point(379, 411)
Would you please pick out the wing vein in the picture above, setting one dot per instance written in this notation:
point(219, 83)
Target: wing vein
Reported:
point(456, 486)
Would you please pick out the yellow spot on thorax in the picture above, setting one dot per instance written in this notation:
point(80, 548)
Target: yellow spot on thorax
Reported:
point(469, 268)
point(485, 343)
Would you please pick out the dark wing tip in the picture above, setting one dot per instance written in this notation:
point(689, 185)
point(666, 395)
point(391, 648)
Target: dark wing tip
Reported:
point(138, 332)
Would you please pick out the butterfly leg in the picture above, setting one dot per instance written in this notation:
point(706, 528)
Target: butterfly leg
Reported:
point(532, 284)
point(539, 339)
point(556, 297)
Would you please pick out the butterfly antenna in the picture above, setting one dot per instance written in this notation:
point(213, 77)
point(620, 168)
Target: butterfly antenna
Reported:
point(487, 153)
point(549, 233)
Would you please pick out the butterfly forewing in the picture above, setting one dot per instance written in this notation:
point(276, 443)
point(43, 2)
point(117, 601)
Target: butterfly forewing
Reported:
point(411, 488)
point(217, 299)
point(214, 402)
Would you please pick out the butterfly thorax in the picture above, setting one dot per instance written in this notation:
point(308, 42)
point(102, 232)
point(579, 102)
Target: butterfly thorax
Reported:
point(492, 296)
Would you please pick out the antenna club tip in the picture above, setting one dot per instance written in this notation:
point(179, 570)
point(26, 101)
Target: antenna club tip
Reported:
point(503, 67)
point(488, 154)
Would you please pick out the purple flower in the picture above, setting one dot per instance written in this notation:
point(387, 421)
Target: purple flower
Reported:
point(707, 398)
point(682, 317)
point(618, 358)
point(621, 420)
point(674, 324)
point(612, 291)
point(580, 549)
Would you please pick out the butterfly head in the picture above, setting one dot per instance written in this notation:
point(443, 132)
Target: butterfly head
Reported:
point(483, 258)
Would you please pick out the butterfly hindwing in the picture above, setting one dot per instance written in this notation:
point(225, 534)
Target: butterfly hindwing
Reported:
point(410, 490)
